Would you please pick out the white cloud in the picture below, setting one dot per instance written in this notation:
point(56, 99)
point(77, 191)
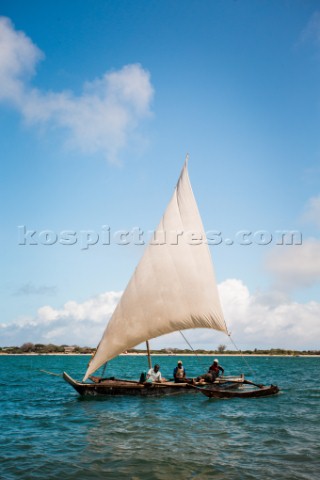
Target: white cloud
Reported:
point(75, 323)
point(103, 118)
point(255, 321)
point(269, 320)
point(18, 59)
point(295, 266)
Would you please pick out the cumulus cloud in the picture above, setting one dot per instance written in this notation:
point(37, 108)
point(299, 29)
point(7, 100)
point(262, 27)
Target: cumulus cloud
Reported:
point(103, 118)
point(75, 323)
point(255, 321)
point(295, 266)
point(271, 319)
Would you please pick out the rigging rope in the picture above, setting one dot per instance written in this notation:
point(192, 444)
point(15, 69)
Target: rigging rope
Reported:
point(243, 358)
point(104, 369)
point(51, 373)
point(186, 340)
point(33, 369)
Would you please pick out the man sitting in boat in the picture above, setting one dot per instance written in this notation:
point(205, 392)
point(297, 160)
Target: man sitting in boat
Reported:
point(215, 369)
point(154, 375)
point(213, 373)
point(179, 374)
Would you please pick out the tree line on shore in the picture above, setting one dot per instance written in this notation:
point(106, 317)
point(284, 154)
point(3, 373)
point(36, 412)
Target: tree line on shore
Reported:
point(39, 348)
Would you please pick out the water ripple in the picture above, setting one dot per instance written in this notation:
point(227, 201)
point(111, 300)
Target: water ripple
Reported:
point(49, 432)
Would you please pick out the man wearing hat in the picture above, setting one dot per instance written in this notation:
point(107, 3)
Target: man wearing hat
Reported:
point(179, 374)
point(215, 369)
point(213, 372)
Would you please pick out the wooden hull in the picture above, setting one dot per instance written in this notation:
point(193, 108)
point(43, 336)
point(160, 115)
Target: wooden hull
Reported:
point(264, 391)
point(131, 388)
point(225, 387)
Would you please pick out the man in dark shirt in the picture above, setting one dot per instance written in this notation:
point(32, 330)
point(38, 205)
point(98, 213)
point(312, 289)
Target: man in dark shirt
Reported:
point(215, 369)
point(213, 372)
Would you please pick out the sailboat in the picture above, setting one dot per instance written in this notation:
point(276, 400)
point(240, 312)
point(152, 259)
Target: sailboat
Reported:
point(173, 288)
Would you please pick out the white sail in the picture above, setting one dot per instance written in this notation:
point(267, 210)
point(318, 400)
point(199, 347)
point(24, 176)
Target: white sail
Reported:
point(173, 287)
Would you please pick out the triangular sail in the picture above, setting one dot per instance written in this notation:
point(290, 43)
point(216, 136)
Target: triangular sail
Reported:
point(173, 287)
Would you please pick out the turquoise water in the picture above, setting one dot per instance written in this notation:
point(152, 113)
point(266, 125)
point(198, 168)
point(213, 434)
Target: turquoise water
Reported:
point(48, 432)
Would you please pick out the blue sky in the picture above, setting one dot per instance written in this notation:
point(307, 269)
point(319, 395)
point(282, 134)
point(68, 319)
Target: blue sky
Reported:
point(99, 104)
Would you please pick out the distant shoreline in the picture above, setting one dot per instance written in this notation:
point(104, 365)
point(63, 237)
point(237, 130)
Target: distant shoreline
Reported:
point(33, 354)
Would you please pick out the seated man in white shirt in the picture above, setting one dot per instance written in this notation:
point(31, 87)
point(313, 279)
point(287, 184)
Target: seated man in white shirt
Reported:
point(154, 375)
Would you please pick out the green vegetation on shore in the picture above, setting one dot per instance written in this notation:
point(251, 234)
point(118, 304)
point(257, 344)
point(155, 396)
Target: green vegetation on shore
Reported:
point(39, 348)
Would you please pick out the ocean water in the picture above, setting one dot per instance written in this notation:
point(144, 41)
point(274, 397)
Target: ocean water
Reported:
point(47, 431)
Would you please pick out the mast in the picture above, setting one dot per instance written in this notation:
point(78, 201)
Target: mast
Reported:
point(149, 356)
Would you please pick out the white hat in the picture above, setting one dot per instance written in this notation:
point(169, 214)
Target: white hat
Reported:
point(215, 360)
